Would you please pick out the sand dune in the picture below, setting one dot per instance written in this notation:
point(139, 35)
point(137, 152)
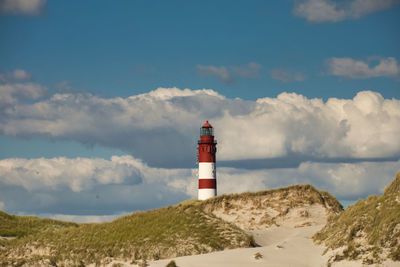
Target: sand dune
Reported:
point(281, 246)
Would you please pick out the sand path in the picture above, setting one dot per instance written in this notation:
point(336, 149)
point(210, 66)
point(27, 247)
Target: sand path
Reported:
point(280, 246)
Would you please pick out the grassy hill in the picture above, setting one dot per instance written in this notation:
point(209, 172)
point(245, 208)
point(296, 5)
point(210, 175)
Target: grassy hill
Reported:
point(369, 230)
point(295, 195)
point(191, 227)
point(295, 205)
point(180, 230)
point(20, 226)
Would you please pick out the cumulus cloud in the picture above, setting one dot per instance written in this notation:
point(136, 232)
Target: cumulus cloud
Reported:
point(285, 76)
point(93, 190)
point(358, 69)
point(227, 74)
point(15, 76)
point(77, 174)
point(23, 7)
point(16, 86)
point(13, 93)
point(319, 11)
point(86, 186)
point(293, 124)
point(161, 127)
point(146, 125)
point(347, 181)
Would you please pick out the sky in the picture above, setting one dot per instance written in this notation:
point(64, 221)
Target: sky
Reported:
point(101, 101)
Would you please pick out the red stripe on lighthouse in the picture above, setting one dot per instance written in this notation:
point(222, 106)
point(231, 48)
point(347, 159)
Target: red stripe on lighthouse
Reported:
point(206, 157)
point(207, 184)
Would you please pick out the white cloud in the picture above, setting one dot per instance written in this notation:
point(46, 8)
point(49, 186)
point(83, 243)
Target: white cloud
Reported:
point(221, 72)
point(70, 188)
point(319, 11)
point(16, 86)
point(161, 127)
point(24, 7)
point(251, 70)
point(77, 174)
point(357, 69)
point(2, 205)
point(347, 181)
point(363, 127)
point(15, 76)
point(13, 93)
point(94, 190)
point(360, 8)
point(227, 74)
point(285, 76)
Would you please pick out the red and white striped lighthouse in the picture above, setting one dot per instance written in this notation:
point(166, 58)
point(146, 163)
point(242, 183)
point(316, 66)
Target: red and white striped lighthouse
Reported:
point(206, 155)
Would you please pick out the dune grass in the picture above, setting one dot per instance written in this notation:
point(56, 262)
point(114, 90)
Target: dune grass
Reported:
point(161, 233)
point(297, 194)
point(20, 226)
point(184, 229)
point(366, 228)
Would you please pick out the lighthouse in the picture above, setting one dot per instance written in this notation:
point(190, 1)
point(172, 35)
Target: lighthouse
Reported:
point(206, 156)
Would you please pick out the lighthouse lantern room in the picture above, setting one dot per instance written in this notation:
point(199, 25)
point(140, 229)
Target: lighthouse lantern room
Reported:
point(206, 156)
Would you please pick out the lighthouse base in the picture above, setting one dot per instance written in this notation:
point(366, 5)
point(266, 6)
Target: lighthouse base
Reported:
point(207, 193)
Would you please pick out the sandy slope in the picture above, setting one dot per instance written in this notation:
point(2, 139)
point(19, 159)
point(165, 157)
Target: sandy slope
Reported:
point(286, 242)
point(286, 245)
point(281, 246)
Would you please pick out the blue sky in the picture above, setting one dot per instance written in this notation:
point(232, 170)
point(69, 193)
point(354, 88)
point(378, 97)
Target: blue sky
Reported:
point(79, 82)
point(130, 47)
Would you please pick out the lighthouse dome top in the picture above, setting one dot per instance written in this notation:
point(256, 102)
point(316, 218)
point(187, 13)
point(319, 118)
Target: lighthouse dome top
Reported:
point(206, 130)
point(207, 125)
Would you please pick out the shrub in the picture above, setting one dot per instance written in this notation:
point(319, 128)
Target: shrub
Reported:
point(171, 264)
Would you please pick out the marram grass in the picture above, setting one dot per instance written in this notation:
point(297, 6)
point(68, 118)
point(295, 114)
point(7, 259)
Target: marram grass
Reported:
point(155, 234)
point(368, 230)
point(185, 229)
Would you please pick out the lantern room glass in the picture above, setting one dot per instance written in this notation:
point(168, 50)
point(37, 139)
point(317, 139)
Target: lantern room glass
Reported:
point(206, 131)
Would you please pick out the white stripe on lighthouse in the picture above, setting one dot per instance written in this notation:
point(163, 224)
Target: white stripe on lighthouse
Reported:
point(206, 193)
point(206, 170)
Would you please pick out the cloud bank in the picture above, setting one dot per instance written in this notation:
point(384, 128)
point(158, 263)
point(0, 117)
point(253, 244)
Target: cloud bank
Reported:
point(319, 11)
point(85, 186)
point(84, 189)
point(76, 174)
point(349, 147)
point(161, 127)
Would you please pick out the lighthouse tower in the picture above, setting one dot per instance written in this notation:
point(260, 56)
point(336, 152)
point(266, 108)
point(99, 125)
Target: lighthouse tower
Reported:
point(206, 155)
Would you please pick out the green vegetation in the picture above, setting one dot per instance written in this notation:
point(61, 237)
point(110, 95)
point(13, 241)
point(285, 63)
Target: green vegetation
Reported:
point(258, 256)
point(20, 226)
point(171, 264)
point(161, 233)
point(367, 230)
point(185, 229)
point(297, 195)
